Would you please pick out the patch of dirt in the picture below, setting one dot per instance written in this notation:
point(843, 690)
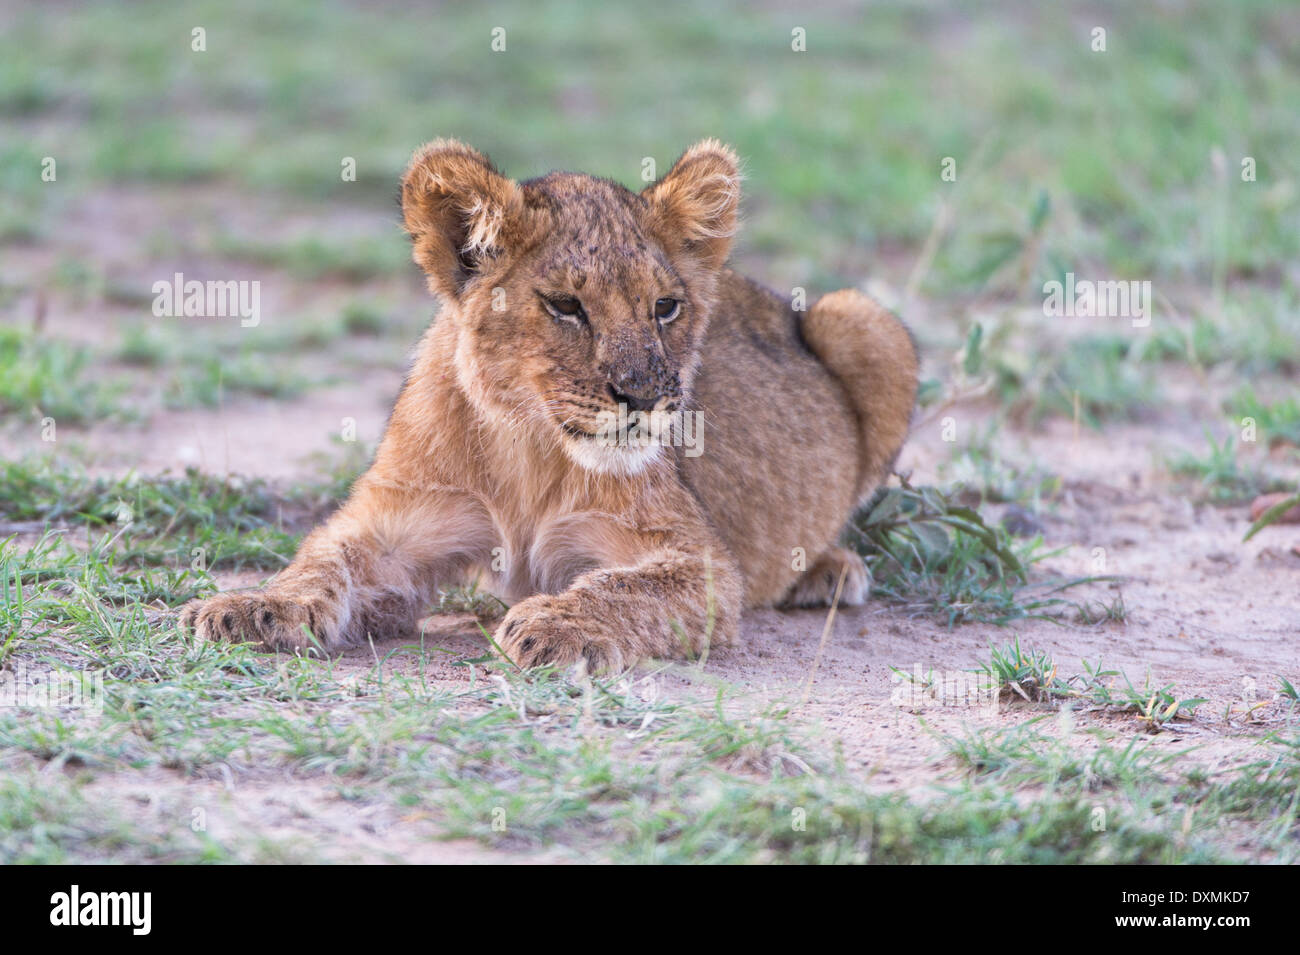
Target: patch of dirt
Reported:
point(1215, 616)
point(278, 440)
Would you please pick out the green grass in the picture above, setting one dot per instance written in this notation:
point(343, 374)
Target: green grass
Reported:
point(207, 382)
point(531, 762)
point(43, 492)
point(603, 767)
point(537, 762)
point(356, 260)
point(1254, 331)
point(149, 346)
point(927, 552)
point(1266, 792)
point(204, 368)
point(1033, 676)
point(1220, 476)
point(1098, 374)
point(749, 823)
point(49, 819)
point(932, 555)
point(277, 113)
point(1099, 164)
point(1276, 422)
point(191, 520)
point(1095, 377)
point(1254, 800)
point(977, 471)
point(1067, 160)
point(44, 378)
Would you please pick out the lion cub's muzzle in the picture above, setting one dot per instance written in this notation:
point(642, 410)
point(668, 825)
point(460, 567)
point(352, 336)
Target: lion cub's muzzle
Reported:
point(641, 379)
point(638, 402)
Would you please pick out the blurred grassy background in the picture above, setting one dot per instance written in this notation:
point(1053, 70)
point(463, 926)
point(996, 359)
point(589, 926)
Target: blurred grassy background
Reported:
point(225, 164)
point(1115, 164)
point(843, 142)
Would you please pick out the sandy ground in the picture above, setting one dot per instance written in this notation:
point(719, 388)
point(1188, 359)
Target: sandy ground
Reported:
point(1217, 617)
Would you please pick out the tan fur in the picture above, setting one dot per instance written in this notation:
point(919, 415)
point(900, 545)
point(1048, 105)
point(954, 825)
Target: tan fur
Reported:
point(491, 465)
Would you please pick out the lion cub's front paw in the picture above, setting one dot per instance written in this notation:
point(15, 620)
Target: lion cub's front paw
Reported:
point(270, 620)
point(539, 632)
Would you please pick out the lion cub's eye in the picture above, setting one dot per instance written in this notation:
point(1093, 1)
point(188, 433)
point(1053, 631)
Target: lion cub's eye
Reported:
point(565, 307)
point(666, 309)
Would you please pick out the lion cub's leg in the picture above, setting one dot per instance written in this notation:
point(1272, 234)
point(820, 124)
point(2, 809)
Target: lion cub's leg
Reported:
point(670, 604)
point(816, 588)
point(371, 571)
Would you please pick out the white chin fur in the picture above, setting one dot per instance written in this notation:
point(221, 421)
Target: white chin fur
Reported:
point(624, 461)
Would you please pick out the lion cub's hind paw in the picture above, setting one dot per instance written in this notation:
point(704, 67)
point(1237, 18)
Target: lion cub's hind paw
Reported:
point(816, 588)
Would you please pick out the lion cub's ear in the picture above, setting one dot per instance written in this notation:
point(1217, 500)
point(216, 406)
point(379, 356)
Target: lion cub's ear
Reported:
point(695, 204)
point(460, 212)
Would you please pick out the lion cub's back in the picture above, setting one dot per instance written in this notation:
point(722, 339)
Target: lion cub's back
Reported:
point(778, 468)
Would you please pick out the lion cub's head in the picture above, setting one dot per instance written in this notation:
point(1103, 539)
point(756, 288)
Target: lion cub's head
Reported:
point(573, 296)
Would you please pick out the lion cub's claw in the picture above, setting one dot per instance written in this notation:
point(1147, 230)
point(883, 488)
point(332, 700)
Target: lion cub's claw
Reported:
point(535, 633)
point(268, 620)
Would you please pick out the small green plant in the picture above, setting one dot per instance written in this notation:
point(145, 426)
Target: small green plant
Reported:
point(1096, 378)
point(44, 377)
point(1272, 515)
point(1154, 706)
point(1024, 755)
point(1220, 477)
point(1091, 612)
point(354, 259)
point(164, 520)
point(936, 556)
point(1033, 676)
point(1286, 689)
point(981, 472)
point(360, 318)
point(1277, 422)
point(1029, 674)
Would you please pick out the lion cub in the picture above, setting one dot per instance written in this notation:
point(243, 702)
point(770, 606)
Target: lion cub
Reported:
point(540, 439)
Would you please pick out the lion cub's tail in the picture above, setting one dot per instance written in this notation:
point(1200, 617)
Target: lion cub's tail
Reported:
point(873, 355)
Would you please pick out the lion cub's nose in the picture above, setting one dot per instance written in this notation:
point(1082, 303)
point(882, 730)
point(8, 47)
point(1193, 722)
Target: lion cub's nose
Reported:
point(633, 402)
